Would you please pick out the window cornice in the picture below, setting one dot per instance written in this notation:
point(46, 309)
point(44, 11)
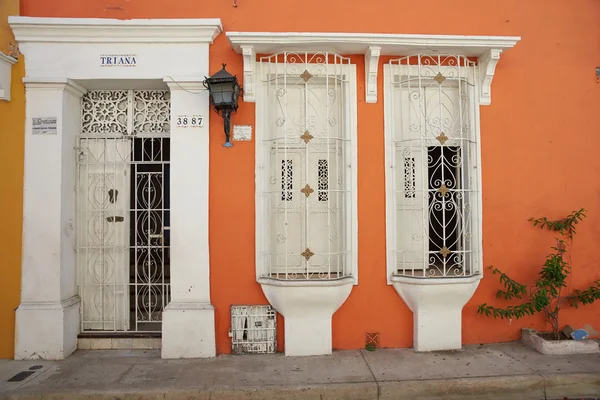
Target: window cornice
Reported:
point(486, 49)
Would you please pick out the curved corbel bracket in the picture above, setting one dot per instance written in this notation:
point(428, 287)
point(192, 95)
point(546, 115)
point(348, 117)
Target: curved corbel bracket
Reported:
point(249, 55)
point(487, 67)
point(371, 65)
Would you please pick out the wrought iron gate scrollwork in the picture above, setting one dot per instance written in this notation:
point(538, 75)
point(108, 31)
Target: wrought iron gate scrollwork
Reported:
point(123, 232)
point(435, 158)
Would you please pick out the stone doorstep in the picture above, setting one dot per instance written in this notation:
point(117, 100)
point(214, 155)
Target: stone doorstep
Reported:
point(119, 343)
point(530, 338)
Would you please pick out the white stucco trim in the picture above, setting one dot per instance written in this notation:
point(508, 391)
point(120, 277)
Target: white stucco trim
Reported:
point(49, 296)
point(6, 63)
point(372, 45)
point(99, 30)
point(188, 328)
point(62, 59)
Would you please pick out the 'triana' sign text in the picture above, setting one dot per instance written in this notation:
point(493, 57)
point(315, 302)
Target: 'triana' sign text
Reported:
point(119, 60)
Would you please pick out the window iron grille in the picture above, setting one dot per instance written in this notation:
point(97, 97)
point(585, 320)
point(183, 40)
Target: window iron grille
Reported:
point(435, 152)
point(307, 200)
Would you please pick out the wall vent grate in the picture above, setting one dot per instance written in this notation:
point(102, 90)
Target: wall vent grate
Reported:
point(253, 329)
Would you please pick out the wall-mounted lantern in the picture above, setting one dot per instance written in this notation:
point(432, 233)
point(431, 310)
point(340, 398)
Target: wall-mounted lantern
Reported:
point(224, 92)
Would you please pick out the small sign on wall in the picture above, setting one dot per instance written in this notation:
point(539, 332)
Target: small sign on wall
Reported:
point(242, 133)
point(118, 60)
point(189, 121)
point(44, 126)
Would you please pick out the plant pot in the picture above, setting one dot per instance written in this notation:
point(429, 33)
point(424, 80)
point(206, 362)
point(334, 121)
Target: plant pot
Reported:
point(531, 338)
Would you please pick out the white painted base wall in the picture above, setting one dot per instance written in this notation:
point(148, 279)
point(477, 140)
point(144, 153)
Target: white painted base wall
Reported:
point(59, 323)
point(437, 309)
point(188, 331)
point(307, 308)
point(119, 343)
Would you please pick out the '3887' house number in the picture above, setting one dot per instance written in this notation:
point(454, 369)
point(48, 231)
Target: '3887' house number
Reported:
point(189, 121)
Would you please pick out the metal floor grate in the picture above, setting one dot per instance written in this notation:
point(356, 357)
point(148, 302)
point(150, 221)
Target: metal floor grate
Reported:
point(253, 329)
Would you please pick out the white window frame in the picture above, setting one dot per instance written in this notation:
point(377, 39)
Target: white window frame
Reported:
point(262, 165)
point(390, 176)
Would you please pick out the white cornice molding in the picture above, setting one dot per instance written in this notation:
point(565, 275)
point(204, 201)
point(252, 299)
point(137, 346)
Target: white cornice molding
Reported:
point(99, 30)
point(8, 60)
point(373, 45)
point(54, 84)
point(195, 84)
point(6, 63)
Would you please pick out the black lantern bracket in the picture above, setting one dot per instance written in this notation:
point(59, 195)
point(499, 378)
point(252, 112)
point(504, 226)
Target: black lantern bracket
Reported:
point(224, 92)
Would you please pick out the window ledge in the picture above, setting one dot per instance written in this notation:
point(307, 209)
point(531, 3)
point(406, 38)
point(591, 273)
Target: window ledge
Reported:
point(6, 63)
point(442, 280)
point(486, 49)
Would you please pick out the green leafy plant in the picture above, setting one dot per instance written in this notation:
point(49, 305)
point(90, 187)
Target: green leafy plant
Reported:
point(546, 294)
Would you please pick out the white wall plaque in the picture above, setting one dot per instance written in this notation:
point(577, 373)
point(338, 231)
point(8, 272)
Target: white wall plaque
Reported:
point(43, 125)
point(242, 133)
point(189, 121)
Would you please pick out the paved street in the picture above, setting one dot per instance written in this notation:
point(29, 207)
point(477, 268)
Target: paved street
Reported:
point(501, 371)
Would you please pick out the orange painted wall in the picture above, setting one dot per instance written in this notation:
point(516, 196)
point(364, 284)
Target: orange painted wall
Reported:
point(12, 126)
point(539, 145)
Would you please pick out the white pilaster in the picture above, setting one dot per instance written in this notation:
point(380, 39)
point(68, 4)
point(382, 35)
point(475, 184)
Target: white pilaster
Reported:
point(188, 328)
point(47, 320)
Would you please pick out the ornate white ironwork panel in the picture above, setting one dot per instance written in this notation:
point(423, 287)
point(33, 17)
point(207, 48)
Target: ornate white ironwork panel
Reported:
point(123, 210)
point(436, 148)
point(308, 195)
point(105, 112)
point(152, 113)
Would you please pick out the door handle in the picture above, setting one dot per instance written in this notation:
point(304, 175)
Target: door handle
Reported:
point(112, 195)
point(116, 218)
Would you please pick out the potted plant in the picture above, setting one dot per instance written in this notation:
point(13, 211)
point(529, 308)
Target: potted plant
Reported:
point(547, 295)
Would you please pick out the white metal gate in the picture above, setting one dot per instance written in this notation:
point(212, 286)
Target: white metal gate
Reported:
point(307, 143)
point(123, 209)
point(435, 156)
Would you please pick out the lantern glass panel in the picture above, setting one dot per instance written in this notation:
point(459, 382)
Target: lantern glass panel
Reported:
point(217, 92)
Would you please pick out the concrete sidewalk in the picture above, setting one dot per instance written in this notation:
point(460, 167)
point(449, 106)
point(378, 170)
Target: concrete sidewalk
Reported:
point(501, 371)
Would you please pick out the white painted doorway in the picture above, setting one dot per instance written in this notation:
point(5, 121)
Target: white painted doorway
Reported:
point(123, 209)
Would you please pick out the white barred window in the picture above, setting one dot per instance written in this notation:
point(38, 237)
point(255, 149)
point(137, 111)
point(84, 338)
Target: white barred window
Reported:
point(432, 173)
point(305, 171)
